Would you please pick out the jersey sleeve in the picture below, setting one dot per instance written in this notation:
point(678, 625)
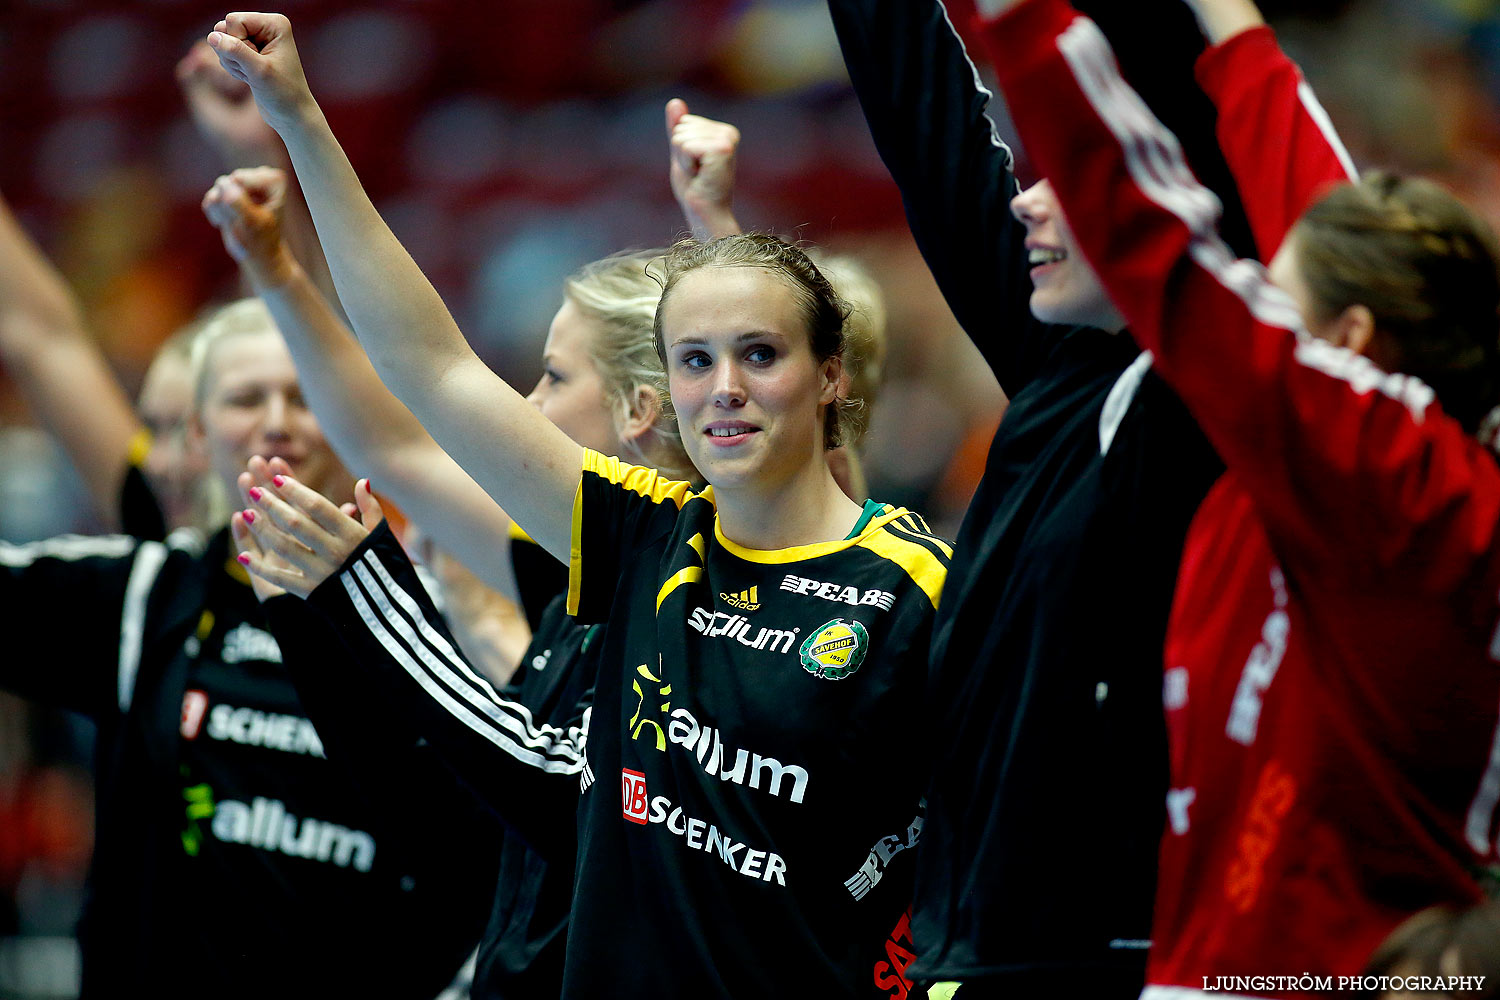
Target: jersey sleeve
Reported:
point(1353, 470)
point(618, 510)
point(539, 577)
point(1279, 143)
point(927, 112)
point(74, 610)
point(381, 627)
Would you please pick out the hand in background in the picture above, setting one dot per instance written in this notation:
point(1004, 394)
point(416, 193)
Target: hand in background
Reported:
point(702, 170)
point(292, 538)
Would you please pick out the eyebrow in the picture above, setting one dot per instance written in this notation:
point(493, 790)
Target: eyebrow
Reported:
point(738, 339)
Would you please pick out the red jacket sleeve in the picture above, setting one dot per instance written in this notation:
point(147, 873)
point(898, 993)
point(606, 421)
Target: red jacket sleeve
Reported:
point(1276, 137)
point(1353, 470)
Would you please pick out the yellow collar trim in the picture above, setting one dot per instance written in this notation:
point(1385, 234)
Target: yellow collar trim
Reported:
point(797, 553)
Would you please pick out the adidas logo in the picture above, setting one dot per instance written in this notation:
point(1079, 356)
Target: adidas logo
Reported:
point(745, 600)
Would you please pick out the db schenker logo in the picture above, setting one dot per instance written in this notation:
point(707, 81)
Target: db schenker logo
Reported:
point(633, 791)
point(836, 650)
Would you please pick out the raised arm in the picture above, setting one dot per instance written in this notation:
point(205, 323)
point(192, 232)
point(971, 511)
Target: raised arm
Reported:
point(225, 114)
point(369, 428)
point(1276, 137)
point(519, 458)
point(60, 368)
point(1353, 469)
point(927, 113)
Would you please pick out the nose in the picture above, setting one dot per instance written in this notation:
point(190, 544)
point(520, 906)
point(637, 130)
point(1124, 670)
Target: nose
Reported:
point(1029, 207)
point(535, 397)
point(275, 421)
point(728, 385)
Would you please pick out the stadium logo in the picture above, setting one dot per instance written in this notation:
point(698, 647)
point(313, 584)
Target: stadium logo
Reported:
point(745, 600)
point(836, 650)
point(852, 596)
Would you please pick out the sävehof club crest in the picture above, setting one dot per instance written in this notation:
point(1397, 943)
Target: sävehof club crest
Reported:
point(836, 650)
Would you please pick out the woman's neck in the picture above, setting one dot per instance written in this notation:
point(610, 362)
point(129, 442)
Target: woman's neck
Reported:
point(810, 509)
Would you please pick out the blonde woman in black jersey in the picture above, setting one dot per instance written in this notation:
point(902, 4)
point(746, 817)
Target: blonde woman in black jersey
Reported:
point(748, 801)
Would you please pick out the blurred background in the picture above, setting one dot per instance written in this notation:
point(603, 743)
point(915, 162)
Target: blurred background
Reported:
point(507, 143)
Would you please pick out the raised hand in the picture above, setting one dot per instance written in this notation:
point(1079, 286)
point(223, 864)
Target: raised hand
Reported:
point(224, 111)
point(1221, 20)
point(245, 206)
point(994, 8)
point(702, 170)
point(292, 537)
point(258, 50)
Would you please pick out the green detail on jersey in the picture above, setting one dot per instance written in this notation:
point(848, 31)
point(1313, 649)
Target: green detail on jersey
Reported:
point(200, 805)
point(835, 650)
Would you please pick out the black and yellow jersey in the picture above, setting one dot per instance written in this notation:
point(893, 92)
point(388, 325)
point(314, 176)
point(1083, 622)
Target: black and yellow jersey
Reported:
point(750, 766)
point(754, 759)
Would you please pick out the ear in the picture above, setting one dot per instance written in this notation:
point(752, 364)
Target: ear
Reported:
point(832, 373)
point(1353, 328)
point(197, 434)
point(644, 408)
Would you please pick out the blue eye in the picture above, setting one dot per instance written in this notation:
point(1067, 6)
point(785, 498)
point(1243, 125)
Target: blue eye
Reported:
point(761, 355)
point(697, 359)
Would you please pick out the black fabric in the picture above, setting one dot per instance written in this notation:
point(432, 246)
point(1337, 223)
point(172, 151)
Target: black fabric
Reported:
point(521, 952)
point(140, 513)
point(716, 664)
point(747, 816)
point(254, 915)
point(1048, 784)
point(539, 578)
point(524, 946)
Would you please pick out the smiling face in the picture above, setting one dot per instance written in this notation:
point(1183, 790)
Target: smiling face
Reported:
point(175, 461)
point(1065, 289)
point(252, 405)
point(748, 391)
point(571, 393)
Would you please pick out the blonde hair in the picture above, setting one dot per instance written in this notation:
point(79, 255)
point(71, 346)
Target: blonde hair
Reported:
point(865, 341)
point(240, 317)
point(621, 297)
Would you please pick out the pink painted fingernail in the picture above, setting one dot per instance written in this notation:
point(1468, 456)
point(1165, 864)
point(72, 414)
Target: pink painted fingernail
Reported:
point(280, 481)
point(255, 493)
point(249, 517)
point(244, 559)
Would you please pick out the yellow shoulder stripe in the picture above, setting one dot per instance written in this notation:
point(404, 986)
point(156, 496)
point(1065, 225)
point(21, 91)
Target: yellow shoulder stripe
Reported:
point(575, 549)
point(925, 569)
point(644, 482)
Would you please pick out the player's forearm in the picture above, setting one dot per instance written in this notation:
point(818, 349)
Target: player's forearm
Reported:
point(374, 434)
point(56, 363)
point(510, 450)
point(399, 317)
